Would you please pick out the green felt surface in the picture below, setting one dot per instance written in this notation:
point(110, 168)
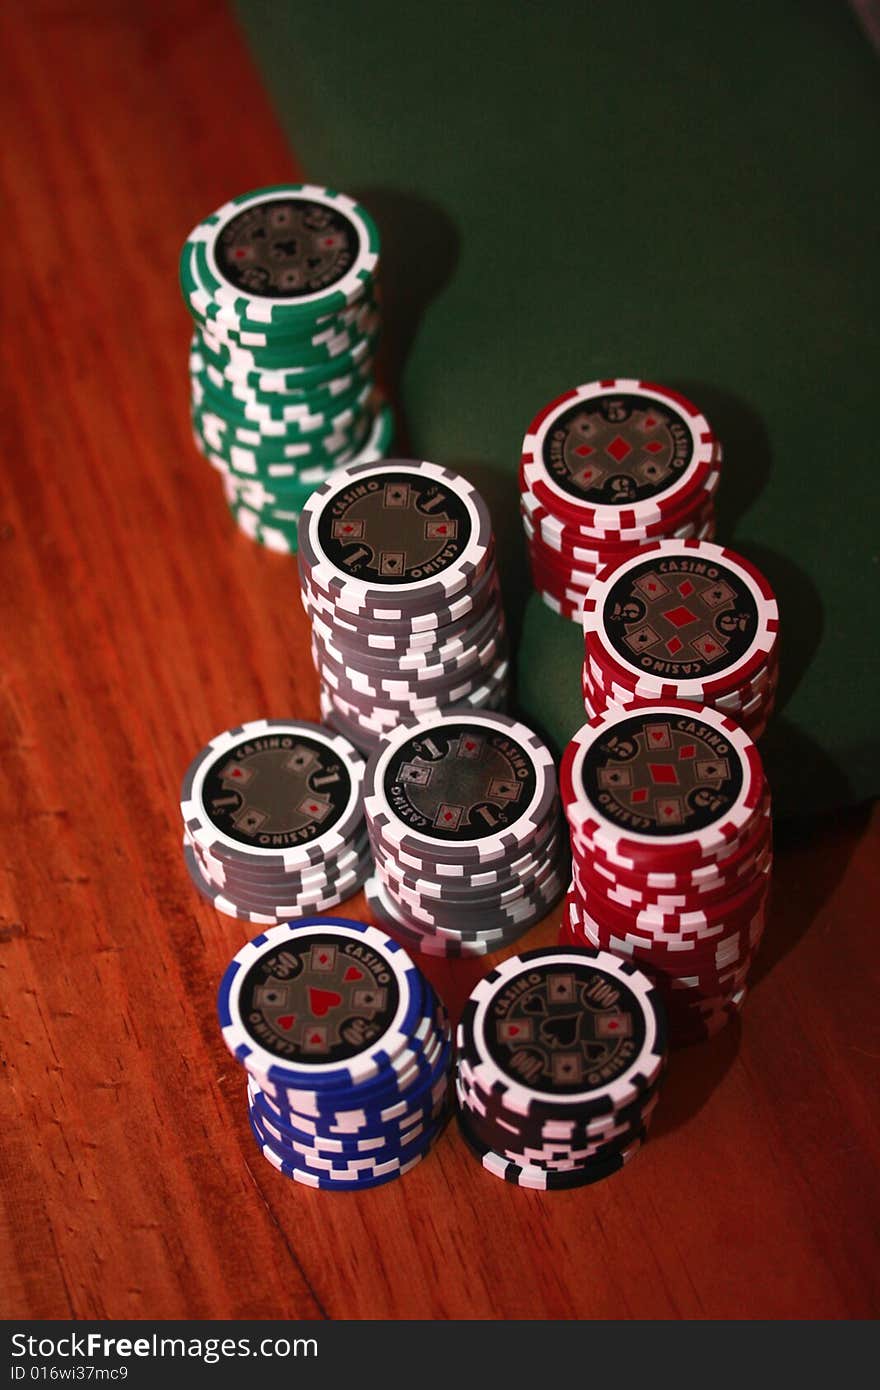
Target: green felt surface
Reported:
point(685, 192)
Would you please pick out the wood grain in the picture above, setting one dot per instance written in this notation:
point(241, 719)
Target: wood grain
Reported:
point(136, 623)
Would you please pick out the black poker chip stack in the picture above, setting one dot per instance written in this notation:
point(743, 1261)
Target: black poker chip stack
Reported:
point(559, 1058)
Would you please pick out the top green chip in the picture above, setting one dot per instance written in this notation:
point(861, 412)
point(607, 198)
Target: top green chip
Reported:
point(281, 257)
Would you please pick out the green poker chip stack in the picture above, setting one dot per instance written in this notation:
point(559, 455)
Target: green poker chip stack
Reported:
point(282, 286)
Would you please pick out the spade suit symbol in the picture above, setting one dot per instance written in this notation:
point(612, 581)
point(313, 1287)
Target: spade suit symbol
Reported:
point(560, 1031)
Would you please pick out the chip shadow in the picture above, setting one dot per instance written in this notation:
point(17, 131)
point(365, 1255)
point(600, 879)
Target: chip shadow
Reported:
point(420, 251)
point(748, 458)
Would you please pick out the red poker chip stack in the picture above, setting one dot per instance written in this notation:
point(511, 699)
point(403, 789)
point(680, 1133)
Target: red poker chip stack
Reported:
point(682, 620)
point(669, 814)
point(606, 468)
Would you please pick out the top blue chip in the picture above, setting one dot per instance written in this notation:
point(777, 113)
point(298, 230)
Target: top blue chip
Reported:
point(323, 1004)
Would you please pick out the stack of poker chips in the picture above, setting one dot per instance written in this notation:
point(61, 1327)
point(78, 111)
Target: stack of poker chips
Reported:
point(669, 813)
point(346, 1048)
point(397, 567)
point(682, 620)
point(274, 820)
point(464, 823)
point(281, 284)
point(559, 1058)
point(605, 468)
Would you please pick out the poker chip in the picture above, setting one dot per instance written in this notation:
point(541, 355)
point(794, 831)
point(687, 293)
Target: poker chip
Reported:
point(398, 578)
point(462, 813)
point(274, 821)
point(347, 1051)
point(282, 286)
point(559, 1057)
point(605, 468)
point(682, 620)
point(671, 836)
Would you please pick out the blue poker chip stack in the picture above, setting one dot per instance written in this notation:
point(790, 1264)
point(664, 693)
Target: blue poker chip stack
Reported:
point(347, 1050)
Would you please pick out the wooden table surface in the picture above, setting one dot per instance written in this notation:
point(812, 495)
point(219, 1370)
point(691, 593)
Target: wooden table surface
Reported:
point(137, 623)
